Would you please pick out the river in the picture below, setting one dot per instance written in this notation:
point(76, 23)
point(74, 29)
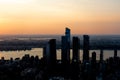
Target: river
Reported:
point(39, 51)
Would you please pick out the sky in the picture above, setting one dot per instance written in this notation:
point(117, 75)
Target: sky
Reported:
point(52, 16)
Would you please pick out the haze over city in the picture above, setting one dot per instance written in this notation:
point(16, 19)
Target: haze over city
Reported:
point(52, 16)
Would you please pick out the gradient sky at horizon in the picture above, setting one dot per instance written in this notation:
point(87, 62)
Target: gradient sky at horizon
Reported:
point(52, 16)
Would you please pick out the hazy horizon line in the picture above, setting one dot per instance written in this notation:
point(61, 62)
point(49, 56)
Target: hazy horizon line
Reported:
point(49, 34)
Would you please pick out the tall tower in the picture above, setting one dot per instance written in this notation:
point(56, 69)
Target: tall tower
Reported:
point(49, 52)
point(66, 47)
point(53, 56)
point(46, 54)
point(85, 48)
point(93, 61)
point(65, 54)
point(76, 47)
point(94, 57)
point(101, 55)
point(68, 35)
point(115, 53)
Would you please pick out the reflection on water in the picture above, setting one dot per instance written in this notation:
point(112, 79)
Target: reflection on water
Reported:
point(39, 51)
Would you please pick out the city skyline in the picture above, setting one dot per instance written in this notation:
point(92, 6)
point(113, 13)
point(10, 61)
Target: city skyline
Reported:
point(51, 17)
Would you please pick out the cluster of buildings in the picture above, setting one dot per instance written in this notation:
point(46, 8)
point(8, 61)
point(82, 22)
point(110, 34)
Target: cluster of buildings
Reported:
point(72, 67)
point(50, 55)
point(49, 68)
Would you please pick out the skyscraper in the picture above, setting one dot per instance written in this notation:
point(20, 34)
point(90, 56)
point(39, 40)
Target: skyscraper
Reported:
point(46, 54)
point(49, 52)
point(53, 56)
point(66, 46)
point(68, 35)
point(94, 57)
point(115, 53)
point(85, 48)
point(65, 54)
point(76, 47)
point(101, 55)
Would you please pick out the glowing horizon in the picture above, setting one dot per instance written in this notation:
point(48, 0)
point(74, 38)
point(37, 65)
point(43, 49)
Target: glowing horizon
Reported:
point(51, 17)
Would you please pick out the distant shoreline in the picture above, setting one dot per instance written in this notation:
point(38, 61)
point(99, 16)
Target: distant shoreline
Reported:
point(57, 49)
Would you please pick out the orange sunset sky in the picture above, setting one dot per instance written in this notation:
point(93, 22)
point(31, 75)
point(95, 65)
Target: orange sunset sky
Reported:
point(52, 16)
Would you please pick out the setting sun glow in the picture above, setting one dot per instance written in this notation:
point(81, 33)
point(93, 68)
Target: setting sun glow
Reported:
point(52, 16)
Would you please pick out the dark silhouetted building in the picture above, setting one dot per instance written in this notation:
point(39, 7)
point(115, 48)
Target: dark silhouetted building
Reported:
point(115, 53)
point(49, 52)
point(85, 48)
point(76, 47)
point(101, 55)
point(52, 44)
point(44, 52)
point(65, 53)
point(93, 57)
point(68, 35)
point(66, 47)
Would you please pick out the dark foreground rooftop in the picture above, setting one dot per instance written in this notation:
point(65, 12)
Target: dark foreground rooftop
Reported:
point(33, 68)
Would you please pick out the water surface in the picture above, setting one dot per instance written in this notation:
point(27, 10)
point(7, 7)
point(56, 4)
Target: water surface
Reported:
point(39, 52)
